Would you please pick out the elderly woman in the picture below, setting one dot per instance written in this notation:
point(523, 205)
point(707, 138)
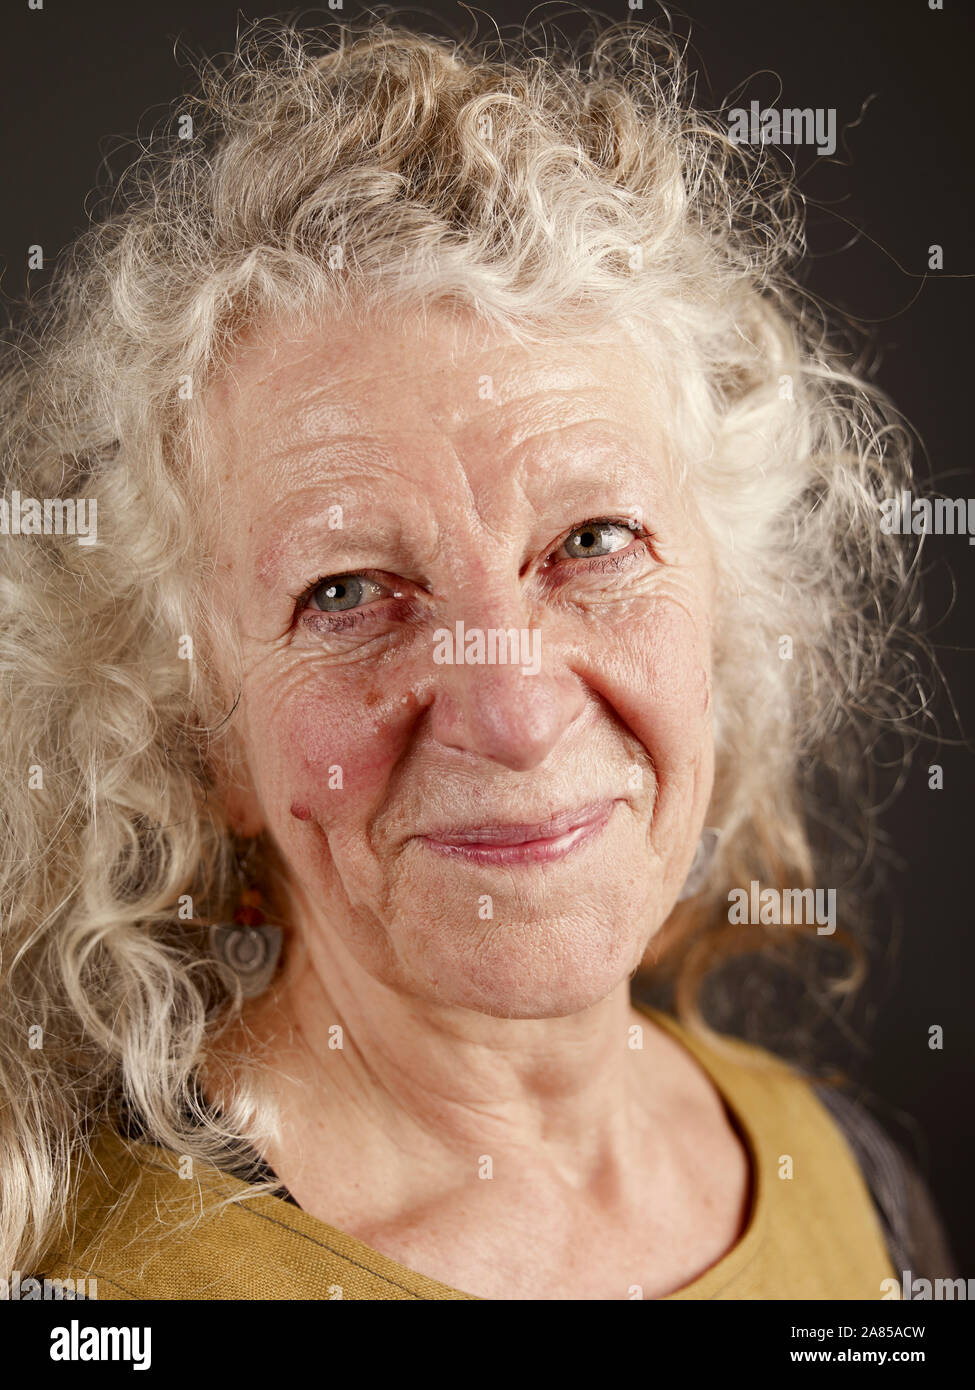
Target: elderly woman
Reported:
point(487, 539)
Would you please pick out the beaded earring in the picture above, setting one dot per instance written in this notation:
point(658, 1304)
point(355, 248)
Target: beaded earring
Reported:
point(247, 949)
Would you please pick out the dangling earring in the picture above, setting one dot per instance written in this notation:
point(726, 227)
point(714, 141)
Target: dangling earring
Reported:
point(701, 864)
point(247, 949)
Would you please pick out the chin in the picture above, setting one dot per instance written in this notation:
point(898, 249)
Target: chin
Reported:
point(530, 969)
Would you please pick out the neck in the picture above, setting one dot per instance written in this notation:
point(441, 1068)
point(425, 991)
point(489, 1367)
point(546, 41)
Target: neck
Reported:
point(383, 1092)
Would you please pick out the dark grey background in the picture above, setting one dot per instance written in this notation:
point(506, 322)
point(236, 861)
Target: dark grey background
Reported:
point(77, 79)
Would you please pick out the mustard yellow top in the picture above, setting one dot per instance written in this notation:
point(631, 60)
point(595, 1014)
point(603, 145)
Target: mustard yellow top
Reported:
point(810, 1235)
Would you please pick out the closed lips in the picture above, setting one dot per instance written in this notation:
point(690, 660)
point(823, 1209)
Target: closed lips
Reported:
point(499, 835)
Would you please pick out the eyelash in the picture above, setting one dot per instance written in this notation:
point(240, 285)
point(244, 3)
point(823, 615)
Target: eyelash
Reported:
point(352, 617)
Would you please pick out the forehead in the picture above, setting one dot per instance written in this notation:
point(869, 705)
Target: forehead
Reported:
point(292, 396)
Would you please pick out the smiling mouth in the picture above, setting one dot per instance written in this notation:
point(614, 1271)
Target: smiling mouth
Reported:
point(528, 843)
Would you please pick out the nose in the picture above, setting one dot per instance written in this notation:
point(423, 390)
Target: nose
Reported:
point(501, 711)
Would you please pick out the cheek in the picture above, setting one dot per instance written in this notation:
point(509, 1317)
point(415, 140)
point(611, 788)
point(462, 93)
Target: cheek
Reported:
point(655, 674)
point(336, 743)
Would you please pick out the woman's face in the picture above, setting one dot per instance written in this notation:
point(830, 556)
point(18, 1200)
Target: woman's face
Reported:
point(497, 826)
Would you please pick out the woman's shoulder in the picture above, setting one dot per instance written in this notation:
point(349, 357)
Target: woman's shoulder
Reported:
point(149, 1223)
point(822, 1150)
point(142, 1222)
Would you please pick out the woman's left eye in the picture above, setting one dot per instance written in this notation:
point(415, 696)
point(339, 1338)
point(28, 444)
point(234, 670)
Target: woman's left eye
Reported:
point(594, 539)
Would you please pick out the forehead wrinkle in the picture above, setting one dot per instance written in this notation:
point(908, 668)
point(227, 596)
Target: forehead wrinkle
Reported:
point(365, 466)
point(314, 414)
point(327, 402)
point(322, 405)
point(533, 452)
point(323, 425)
point(355, 452)
point(567, 377)
point(535, 414)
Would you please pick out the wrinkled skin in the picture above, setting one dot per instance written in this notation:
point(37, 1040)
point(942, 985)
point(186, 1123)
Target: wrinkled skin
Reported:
point(466, 1032)
point(458, 504)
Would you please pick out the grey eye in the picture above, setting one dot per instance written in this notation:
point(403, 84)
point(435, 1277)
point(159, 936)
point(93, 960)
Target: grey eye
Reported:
point(341, 592)
point(597, 538)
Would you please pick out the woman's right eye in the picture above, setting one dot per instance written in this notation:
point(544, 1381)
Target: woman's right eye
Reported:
point(342, 592)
